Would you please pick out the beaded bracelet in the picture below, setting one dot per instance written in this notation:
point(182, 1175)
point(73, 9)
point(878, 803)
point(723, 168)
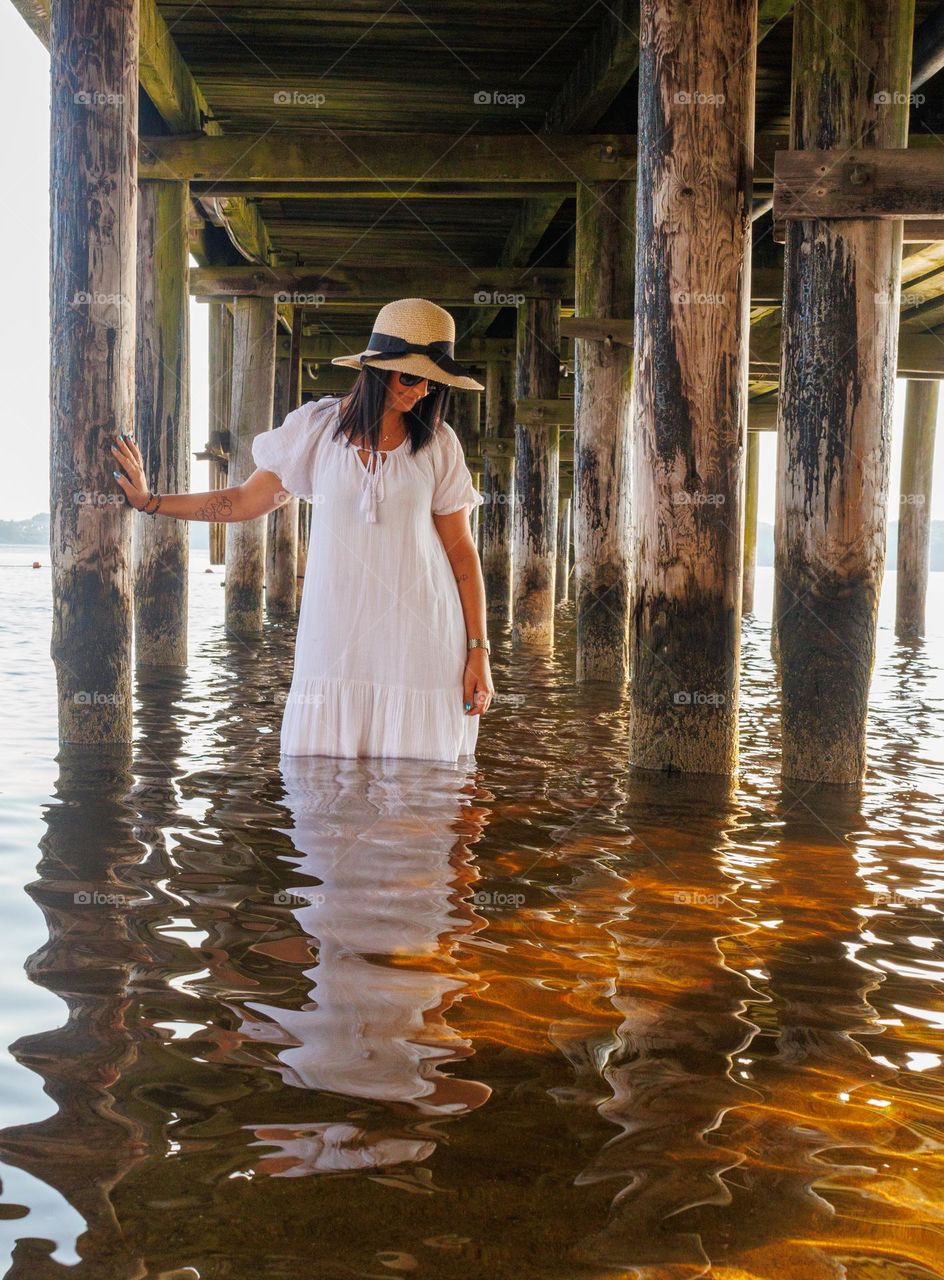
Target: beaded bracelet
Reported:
point(150, 499)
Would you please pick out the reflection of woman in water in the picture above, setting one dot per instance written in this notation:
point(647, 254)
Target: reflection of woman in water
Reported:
point(391, 656)
point(379, 840)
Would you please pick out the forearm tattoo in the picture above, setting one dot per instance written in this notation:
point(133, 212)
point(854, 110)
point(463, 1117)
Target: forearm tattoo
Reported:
point(215, 509)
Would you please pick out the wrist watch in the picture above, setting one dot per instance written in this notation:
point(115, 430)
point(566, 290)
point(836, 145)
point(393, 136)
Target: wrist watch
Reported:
point(480, 644)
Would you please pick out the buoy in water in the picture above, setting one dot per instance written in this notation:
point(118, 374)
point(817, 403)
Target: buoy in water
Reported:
point(37, 565)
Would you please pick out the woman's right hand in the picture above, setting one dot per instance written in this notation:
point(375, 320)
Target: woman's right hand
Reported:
point(134, 484)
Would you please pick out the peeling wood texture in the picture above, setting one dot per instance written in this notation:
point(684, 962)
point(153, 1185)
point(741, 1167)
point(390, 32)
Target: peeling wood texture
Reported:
point(696, 81)
point(751, 483)
point(851, 70)
point(914, 515)
point(253, 392)
point(602, 410)
point(162, 413)
point(499, 479)
point(537, 450)
point(93, 188)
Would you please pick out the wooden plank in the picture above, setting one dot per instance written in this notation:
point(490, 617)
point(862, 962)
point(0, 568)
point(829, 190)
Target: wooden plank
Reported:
point(544, 413)
point(388, 157)
point(859, 183)
point(303, 287)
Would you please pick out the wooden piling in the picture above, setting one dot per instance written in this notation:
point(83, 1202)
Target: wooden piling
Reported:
point(562, 572)
point(499, 477)
point(751, 483)
point(601, 504)
point(696, 84)
point(162, 413)
point(914, 515)
point(253, 393)
point(537, 458)
point(221, 388)
point(282, 528)
point(93, 196)
point(851, 67)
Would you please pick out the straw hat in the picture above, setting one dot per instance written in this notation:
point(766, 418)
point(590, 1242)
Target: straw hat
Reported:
point(413, 335)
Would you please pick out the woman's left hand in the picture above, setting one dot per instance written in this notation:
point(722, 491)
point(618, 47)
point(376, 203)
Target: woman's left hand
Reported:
point(477, 686)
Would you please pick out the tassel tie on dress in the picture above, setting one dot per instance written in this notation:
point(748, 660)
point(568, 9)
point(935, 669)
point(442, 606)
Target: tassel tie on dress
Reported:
point(372, 489)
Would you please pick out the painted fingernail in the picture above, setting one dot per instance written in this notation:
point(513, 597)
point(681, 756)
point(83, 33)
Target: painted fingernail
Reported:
point(468, 706)
point(117, 475)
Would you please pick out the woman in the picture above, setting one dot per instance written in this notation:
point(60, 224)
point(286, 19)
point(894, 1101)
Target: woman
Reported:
point(391, 654)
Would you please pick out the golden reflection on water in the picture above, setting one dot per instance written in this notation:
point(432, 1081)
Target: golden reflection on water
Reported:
point(533, 1016)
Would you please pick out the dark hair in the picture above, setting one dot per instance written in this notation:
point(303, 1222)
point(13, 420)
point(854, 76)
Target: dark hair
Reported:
point(362, 418)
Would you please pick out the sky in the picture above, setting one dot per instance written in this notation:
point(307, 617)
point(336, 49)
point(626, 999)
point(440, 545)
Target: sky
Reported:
point(24, 320)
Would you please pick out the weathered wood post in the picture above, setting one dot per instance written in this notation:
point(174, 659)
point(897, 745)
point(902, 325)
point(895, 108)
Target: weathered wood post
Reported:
point(466, 414)
point(282, 531)
point(602, 407)
point(562, 572)
point(537, 460)
point(253, 392)
point(914, 517)
point(221, 394)
point(851, 69)
point(162, 411)
point(751, 483)
point(304, 530)
point(694, 179)
point(93, 191)
point(499, 449)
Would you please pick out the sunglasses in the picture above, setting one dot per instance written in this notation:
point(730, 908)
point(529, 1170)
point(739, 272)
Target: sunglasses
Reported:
point(414, 379)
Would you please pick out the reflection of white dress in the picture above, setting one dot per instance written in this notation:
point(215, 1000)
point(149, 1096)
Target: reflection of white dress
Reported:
point(378, 840)
point(380, 651)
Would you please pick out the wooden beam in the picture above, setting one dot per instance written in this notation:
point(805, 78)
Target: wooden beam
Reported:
point(303, 287)
point(859, 183)
point(389, 157)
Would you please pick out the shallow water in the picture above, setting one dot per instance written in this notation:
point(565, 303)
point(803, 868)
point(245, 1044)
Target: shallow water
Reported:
point(535, 1017)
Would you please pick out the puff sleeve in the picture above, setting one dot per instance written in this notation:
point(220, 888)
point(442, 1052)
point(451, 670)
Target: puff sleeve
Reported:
point(454, 488)
point(288, 451)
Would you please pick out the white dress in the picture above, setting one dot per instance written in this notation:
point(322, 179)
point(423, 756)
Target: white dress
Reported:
point(380, 650)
